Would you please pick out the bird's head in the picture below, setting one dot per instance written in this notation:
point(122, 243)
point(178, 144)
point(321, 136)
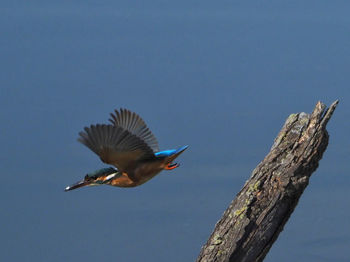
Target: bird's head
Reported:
point(98, 177)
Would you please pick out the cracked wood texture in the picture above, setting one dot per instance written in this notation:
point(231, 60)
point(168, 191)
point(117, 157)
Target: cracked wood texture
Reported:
point(257, 215)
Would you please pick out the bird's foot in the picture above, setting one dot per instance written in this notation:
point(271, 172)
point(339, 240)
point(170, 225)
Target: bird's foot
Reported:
point(171, 166)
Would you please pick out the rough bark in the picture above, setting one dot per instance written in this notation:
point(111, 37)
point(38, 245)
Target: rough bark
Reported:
point(257, 215)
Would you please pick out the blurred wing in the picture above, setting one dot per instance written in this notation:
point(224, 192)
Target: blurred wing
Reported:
point(135, 125)
point(115, 145)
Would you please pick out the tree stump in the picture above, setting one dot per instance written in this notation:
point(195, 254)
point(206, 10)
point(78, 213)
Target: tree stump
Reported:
point(257, 215)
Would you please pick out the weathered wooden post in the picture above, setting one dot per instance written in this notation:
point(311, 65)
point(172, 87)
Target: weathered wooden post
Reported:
point(254, 219)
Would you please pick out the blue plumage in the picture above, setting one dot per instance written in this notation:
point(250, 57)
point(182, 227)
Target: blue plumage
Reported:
point(170, 152)
point(130, 146)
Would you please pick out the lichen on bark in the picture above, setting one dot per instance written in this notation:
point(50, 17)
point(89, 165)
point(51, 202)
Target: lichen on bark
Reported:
point(254, 219)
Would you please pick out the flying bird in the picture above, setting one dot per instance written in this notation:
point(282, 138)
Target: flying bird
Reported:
point(130, 147)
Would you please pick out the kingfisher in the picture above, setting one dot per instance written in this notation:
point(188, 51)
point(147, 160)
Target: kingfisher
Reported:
point(128, 145)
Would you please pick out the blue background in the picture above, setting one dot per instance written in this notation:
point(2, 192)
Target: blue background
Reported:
point(221, 77)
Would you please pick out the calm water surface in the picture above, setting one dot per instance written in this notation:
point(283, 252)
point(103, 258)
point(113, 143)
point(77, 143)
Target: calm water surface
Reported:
point(220, 77)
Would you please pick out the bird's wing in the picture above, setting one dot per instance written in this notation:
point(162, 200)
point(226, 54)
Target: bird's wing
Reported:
point(135, 125)
point(115, 145)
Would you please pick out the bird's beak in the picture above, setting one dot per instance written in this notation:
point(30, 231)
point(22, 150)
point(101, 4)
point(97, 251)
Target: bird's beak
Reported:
point(77, 185)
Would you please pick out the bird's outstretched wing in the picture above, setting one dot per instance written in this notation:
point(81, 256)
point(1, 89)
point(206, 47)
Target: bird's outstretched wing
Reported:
point(115, 145)
point(133, 123)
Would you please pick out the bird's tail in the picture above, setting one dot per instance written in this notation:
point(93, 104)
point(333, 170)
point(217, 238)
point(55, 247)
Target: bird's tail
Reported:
point(169, 155)
point(178, 152)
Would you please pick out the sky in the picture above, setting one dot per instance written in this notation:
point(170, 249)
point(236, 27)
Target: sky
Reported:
point(221, 77)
